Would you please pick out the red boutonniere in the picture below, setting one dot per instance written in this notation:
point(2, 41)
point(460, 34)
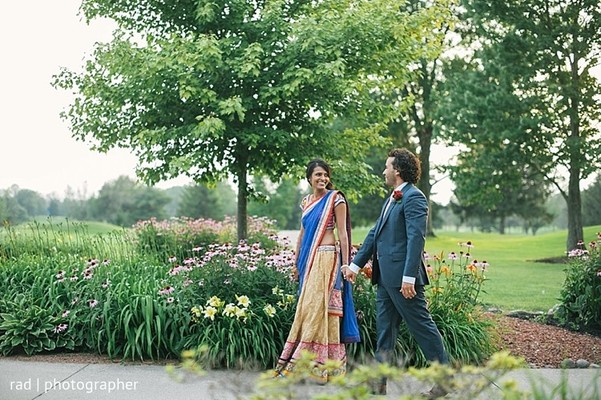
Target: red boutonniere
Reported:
point(397, 195)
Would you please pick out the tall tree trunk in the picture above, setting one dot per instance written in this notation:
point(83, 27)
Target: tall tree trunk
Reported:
point(242, 177)
point(502, 220)
point(575, 231)
point(425, 143)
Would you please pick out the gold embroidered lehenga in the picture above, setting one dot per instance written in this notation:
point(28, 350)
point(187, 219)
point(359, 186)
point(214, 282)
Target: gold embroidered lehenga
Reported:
point(325, 317)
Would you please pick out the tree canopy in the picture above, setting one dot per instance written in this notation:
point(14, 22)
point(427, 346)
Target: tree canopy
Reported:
point(239, 88)
point(526, 101)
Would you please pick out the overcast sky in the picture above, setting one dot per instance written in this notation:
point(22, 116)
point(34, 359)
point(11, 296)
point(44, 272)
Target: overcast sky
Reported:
point(37, 152)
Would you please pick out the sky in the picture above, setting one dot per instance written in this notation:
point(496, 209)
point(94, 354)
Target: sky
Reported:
point(37, 151)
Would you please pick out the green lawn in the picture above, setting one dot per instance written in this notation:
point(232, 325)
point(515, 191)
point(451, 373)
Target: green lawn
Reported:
point(515, 279)
point(62, 224)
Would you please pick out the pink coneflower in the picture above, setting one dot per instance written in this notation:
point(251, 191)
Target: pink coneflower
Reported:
point(73, 278)
point(60, 275)
point(106, 284)
point(60, 328)
point(170, 299)
point(66, 313)
point(166, 290)
point(106, 261)
point(172, 259)
point(453, 256)
point(92, 303)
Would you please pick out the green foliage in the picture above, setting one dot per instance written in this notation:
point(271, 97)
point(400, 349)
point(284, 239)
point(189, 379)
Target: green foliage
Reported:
point(242, 88)
point(580, 297)
point(281, 204)
point(455, 286)
point(124, 202)
point(63, 237)
point(591, 206)
point(26, 327)
point(202, 201)
point(466, 382)
point(453, 301)
point(526, 100)
point(103, 306)
point(237, 300)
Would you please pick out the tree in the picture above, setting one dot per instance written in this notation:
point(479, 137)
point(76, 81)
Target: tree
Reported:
point(241, 87)
point(33, 202)
point(76, 205)
point(123, 202)
point(201, 201)
point(14, 213)
point(281, 203)
point(536, 57)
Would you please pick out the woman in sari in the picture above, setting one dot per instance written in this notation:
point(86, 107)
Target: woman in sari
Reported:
point(325, 316)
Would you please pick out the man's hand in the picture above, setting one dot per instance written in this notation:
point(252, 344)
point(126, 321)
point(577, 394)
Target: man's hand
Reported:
point(408, 290)
point(348, 274)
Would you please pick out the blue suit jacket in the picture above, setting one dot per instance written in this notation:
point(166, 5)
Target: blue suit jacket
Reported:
point(396, 243)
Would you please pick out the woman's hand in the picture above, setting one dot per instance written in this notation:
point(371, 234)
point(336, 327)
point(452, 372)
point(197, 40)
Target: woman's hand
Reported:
point(348, 274)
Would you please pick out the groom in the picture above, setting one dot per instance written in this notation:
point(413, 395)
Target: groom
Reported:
point(396, 245)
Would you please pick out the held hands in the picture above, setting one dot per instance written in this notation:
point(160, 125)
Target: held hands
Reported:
point(348, 274)
point(408, 290)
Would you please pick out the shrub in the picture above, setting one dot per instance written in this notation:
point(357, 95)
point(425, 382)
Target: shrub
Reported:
point(237, 300)
point(580, 296)
point(179, 237)
point(455, 284)
point(245, 308)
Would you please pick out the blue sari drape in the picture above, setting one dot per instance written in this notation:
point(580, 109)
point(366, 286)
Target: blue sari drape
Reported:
point(314, 219)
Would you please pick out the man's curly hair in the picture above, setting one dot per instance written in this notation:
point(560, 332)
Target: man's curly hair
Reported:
point(407, 164)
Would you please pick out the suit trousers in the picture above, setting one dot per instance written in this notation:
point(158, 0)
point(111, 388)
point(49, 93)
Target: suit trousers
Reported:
point(391, 309)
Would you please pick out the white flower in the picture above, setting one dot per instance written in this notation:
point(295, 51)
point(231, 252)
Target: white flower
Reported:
point(269, 310)
point(243, 301)
point(230, 310)
point(215, 302)
point(210, 312)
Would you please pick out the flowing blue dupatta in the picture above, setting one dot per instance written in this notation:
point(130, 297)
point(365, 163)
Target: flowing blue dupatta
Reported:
point(314, 219)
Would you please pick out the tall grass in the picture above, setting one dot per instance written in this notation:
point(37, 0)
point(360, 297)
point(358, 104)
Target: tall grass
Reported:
point(65, 237)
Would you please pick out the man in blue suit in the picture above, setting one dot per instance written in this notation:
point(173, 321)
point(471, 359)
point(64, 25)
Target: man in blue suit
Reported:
point(396, 246)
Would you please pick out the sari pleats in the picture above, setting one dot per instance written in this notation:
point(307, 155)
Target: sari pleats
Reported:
point(314, 329)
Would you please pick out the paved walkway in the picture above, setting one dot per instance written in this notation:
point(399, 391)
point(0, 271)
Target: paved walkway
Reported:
point(28, 380)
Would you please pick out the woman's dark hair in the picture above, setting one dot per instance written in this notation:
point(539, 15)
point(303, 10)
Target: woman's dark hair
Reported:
point(318, 162)
point(407, 164)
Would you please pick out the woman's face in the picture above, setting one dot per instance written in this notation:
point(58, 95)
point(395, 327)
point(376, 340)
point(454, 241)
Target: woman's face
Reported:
point(319, 178)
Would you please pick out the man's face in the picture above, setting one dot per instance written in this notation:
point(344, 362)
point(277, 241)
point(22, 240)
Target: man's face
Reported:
point(390, 174)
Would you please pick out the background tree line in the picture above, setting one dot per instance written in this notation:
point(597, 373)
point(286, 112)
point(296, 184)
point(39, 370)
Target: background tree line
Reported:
point(124, 201)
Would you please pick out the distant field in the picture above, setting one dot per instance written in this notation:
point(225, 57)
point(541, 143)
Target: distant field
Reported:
point(61, 224)
point(515, 279)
